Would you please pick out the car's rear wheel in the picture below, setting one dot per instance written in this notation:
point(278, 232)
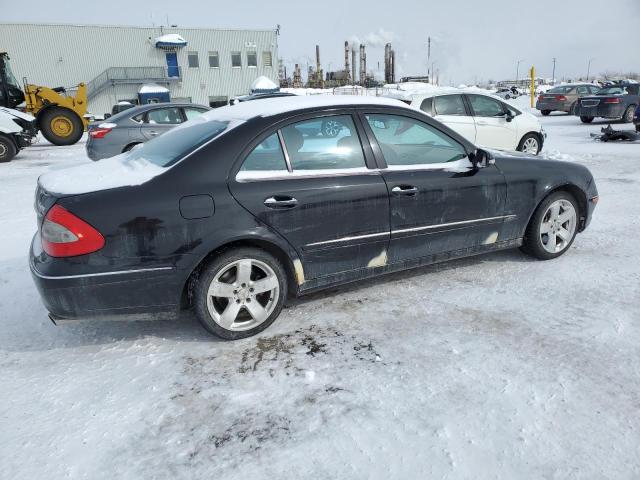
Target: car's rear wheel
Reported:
point(545, 112)
point(628, 114)
point(240, 293)
point(7, 149)
point(530, 143)
point(129, 147)
point(553, 227)
point(586, 119)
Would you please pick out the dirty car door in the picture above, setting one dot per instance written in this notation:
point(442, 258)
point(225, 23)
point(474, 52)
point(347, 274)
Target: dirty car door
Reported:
point(439, 202)
point(319, 194)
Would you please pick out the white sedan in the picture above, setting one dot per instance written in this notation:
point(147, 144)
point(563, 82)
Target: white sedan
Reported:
point(484, 120)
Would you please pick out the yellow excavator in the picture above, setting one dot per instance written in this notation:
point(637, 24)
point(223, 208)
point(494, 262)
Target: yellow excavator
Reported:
point(59, 115)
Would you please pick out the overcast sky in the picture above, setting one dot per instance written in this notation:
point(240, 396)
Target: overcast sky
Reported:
point(472, 41)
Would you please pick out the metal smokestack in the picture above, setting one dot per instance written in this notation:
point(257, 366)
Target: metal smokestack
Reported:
point(353, 65)
point(363, 65)
point(393, 66)
point(387, 63)
point(319, 79)
point(347, 69)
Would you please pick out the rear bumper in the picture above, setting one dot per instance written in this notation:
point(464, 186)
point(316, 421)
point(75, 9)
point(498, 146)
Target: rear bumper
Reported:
point(114, 293)
point(97, 150)
point(552, 105)
point(602, 110)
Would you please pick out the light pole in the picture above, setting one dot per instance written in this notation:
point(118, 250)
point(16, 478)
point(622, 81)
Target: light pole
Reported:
point(518, 71)
point(553, 75)
point(589, 67)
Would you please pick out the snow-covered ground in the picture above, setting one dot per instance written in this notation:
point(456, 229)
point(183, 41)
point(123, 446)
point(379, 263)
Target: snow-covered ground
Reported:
point(498, 366)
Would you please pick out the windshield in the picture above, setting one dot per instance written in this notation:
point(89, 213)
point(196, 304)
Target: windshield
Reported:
point(611, 91)
point(178, 142)
point(8, 74)
point(560, 90)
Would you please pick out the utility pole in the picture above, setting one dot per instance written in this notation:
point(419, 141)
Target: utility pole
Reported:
point(589, 68)
point(518, 71)
point(553, 76)
point(429, 58)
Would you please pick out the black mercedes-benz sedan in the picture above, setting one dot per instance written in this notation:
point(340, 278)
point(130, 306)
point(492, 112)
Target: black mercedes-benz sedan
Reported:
point(234, 211)
point(615, 102)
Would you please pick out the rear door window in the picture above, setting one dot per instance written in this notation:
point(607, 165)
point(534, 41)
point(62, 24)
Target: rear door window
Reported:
point(325, 143)
point(165, 116)
point(450, 105)
point(427, 106)
point(265, 157)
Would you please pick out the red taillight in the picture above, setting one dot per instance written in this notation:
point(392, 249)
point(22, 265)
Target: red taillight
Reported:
point(65, 235)
point(540, 98)
point(99, 132)
point(611, 100)
point(561, 98)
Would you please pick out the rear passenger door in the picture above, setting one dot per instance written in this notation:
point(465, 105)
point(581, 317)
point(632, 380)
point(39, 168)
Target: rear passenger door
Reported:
point(452, 111)
point(319, 193)
point(160, 120)
point(493, 129)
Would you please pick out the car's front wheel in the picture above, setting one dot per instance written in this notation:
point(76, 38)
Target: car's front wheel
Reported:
point(240, 293)
point(530, 143)
point(586, 119)
point(553, 227)
point(7, 149)
point(545, 112)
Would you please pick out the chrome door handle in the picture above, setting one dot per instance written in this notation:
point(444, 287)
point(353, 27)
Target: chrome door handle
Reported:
point(153, 133)
point(281, 202)
point(404, 190)
point(482, 123)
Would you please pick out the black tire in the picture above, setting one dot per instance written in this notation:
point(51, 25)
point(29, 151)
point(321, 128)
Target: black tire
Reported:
point(129, 147)
point(572, 108)
point(628, 114)
point(545, 112)
point(220, 263)
point(61, 126)
point(529, 137)
point(8, 149)
point(638, 127)
point(585, 119)
point(331, 128)
point(507, 97)
point(532, 244)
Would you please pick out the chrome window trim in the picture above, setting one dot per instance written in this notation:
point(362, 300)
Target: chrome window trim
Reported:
point(102, 274)
point(263, 175)
point(285, 151)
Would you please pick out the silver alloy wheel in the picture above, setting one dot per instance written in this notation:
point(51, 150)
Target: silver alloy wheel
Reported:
point(332, 128)
point(3, 150)
point(558, 226)
point(243, 294)
point(628, 115)
point(530, 145)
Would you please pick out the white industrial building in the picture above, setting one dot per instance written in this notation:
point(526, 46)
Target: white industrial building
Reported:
point(201, 65)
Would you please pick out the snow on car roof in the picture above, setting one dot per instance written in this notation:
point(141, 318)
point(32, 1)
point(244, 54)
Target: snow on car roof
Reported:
point(269, 107)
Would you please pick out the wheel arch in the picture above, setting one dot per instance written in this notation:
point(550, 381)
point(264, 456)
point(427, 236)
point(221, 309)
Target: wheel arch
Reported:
point(129, 146)
point(577, 193)
point(294, 274)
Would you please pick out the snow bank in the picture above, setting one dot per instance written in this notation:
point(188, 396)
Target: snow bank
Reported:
point(112, 172)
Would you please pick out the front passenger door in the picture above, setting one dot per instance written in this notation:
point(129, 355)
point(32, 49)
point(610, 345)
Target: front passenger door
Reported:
point(493, 129)
point(439, 202)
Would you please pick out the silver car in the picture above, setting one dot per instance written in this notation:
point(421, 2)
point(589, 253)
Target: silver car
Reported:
point(123, 131)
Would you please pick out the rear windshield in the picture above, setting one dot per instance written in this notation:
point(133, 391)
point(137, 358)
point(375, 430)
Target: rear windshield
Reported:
point(178, 142)
point(611, 91)
point(565, 89)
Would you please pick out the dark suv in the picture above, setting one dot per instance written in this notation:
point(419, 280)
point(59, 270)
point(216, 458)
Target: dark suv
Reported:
point(617, 102)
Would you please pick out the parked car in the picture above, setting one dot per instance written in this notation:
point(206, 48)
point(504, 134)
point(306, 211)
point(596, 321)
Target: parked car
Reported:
point(484, 120)
point(636, 118)
point(617, 102)
point(137, 125)
point(507, 93)
point(17, 131)
point(234, 211)
point(564, 98)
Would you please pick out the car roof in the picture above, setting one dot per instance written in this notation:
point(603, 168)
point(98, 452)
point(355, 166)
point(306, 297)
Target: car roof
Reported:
point(132, 112)
point(269, 107)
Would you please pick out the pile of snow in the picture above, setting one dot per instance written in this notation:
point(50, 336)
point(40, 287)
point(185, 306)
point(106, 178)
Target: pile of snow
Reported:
point(152, 88)
point(170, 39)
point(114, 172)
point(263, 84)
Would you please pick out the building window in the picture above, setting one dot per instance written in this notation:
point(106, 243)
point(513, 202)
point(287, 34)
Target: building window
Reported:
point(252, 59)
point(192, 59)
point(236, 59)
point(214, 60)
point(267, 60)
point(219, 101)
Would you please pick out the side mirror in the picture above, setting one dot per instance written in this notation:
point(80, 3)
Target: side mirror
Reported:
point(509, 116)
point(481, 158)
